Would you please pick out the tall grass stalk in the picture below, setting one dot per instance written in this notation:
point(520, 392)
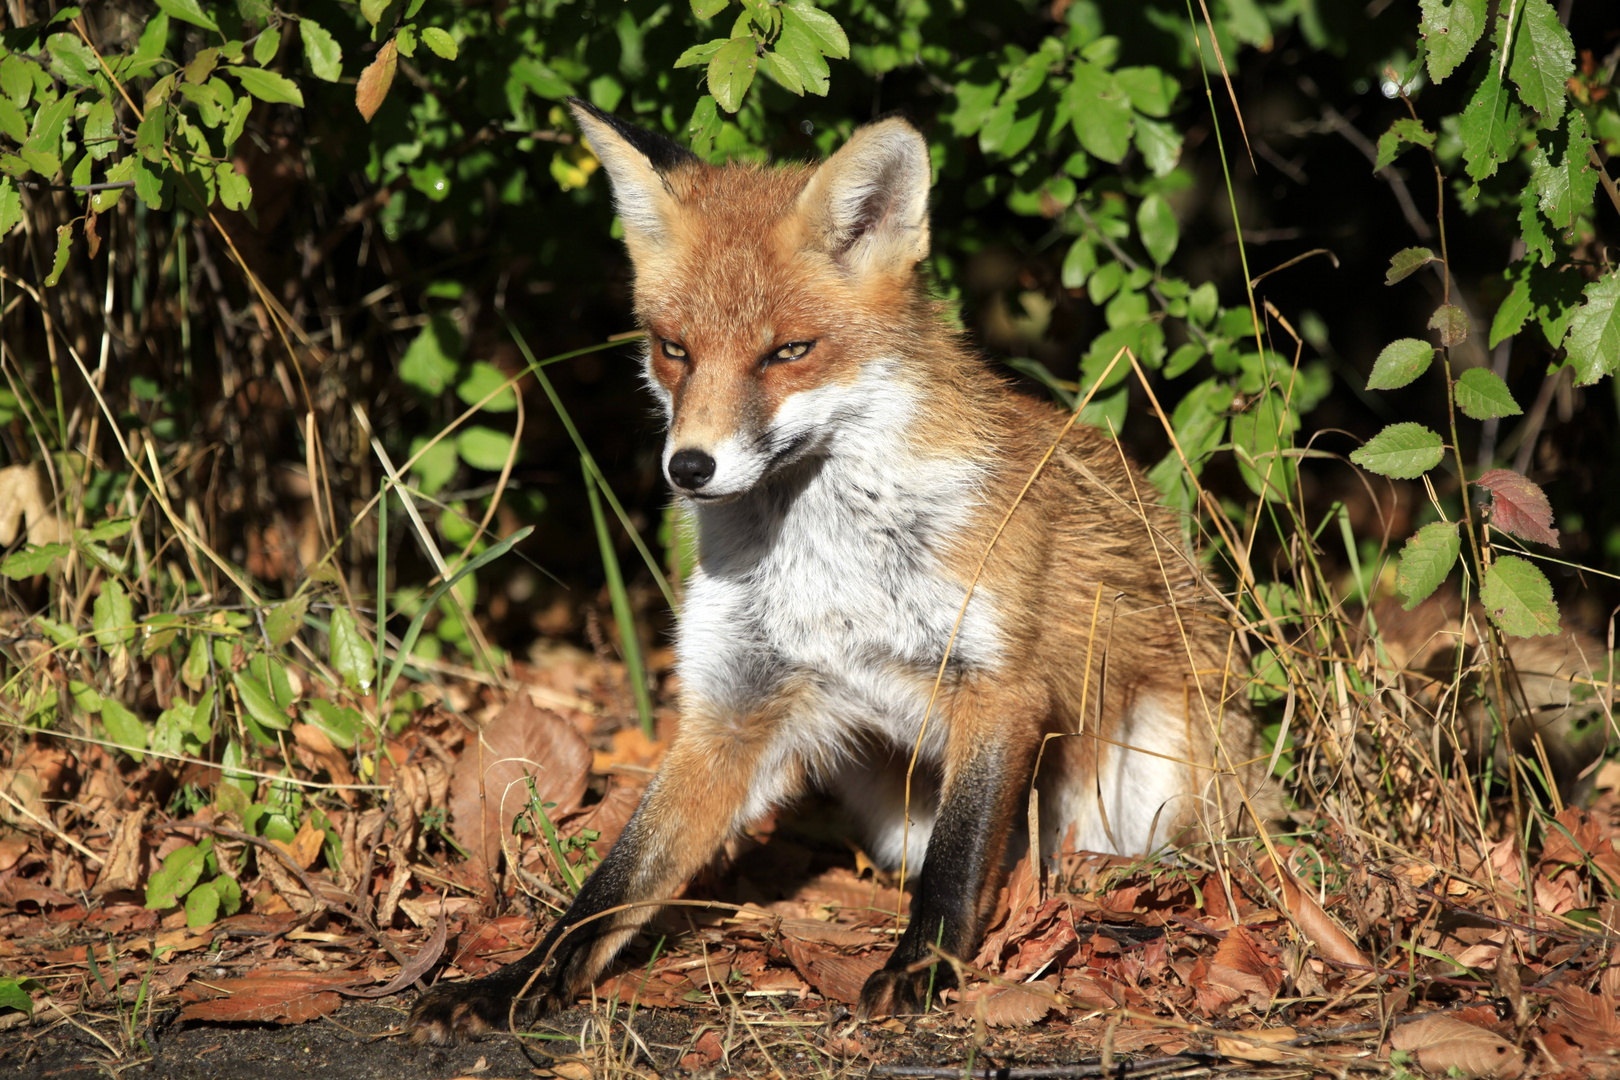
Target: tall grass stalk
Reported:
point(629, 642)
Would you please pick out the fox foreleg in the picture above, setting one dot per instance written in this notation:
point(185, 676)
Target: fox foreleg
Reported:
point(989, 758)
point(711, 780)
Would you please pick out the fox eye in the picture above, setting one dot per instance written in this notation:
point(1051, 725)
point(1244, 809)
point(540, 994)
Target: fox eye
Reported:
point(793, 350)
point(673, 351)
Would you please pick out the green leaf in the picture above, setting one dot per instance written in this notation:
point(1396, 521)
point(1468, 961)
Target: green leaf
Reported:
point(234, 190)
point(124, 728)
point(1402, 361)
point(99, 140)
point(1543, 60)
point(1402, 451)
point(1593, 344)
point(152, 133)
point(1099, 112)
point(1450, 31)
point(372, 10)
point(1481, 394)
point(1426, 560)
point(405, 41)
point(699, 54)
point(113, 616)
point(1531, 229)
point(798, 47)
point(484, 447)
point(1402, 133)
point(1489, 126)
point(257, 701)
point(1261, 435)
point(1151, 90)
point(324, 54)
point(238, 121)
point(1519, 598)
point(195, 669)
point(284, 620)
point(482, 379)
point(265, 49)
point(432, 360)
point(784, 71)
point(64, 248)
point(708, 9)
point(1565, 189)
point(350, 654)
point(1406, 262)
point(11, 211)
point(14, 994)
point(440, 41)
point(436, 467)
point(822, 28)
point(343, 726)
point(731, 72)
point(12, 122)
point(1157, 228)
point(187, 11)
point(1079, 263)
point(268, 86)
point(1515, 309)
point(182, 867)
point(202, 905)
point(1452, 323)
point(32, 560)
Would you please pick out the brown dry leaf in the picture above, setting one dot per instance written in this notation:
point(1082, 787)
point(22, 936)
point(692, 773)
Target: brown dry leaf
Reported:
point(630, 747)
point(821, 933)
point(23, 498)
point(1238, 964)
point(306, 846)
point(1251, 1045)
point(609, 817)
point(1316, 924)
point(521, 741)
point(281, 997)
point(1574, 837)
point(121, 868)
point(1010, 1006)
point(1442, 1043)
point(425, 913)
point(375, 80)
point(836, 976)
point(13, 846)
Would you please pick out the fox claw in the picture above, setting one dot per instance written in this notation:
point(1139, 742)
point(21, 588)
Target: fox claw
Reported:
point(899, 992)
point(460, 1012)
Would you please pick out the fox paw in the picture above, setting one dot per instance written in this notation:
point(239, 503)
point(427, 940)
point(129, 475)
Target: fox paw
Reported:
point(460, 1012)
point(898, 992)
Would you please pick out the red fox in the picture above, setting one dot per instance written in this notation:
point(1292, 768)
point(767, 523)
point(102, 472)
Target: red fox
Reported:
point(848, 461)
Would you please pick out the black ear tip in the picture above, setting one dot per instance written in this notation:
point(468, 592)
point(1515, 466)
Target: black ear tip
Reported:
point(662, 152)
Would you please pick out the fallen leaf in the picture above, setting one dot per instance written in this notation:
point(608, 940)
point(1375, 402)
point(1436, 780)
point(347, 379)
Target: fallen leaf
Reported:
point(1009, 1006)
point(1519, 506)
point(608, 817)
point(1315, 924)
point(22, 499)
point(1251, 1045)
point(835, 975)
point(121, 867)
point(520, 741)
point(265, 998)
point(1442, 1043)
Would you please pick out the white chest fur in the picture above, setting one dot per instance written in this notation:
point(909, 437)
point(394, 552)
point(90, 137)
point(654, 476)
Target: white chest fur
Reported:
point(833, 571)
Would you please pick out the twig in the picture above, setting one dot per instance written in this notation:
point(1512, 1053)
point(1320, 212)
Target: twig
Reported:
point(1087, 1068)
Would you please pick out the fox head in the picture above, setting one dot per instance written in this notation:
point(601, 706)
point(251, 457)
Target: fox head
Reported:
point(767, 292)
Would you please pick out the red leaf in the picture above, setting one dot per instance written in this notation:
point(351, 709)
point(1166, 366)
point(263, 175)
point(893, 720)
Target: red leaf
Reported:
point(1519, 506)
point(375, 81)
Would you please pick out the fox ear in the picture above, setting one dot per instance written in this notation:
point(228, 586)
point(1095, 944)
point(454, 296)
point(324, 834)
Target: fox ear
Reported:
point(636, 161)
point(867, 205)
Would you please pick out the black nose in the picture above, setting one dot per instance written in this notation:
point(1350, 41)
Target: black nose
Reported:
point(691, 469)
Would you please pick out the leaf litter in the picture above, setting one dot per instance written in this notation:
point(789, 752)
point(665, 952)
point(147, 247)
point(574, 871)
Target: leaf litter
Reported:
point(1462, 960)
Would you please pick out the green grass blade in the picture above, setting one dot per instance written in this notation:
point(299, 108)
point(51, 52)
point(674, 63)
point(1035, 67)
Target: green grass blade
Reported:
point(408, 642)
point(537, 366)
point(622, 614)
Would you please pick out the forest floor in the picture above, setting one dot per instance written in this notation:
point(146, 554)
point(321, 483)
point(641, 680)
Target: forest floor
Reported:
point(1322, 955)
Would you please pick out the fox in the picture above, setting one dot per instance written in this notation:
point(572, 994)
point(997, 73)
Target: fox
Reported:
point(914, 582)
